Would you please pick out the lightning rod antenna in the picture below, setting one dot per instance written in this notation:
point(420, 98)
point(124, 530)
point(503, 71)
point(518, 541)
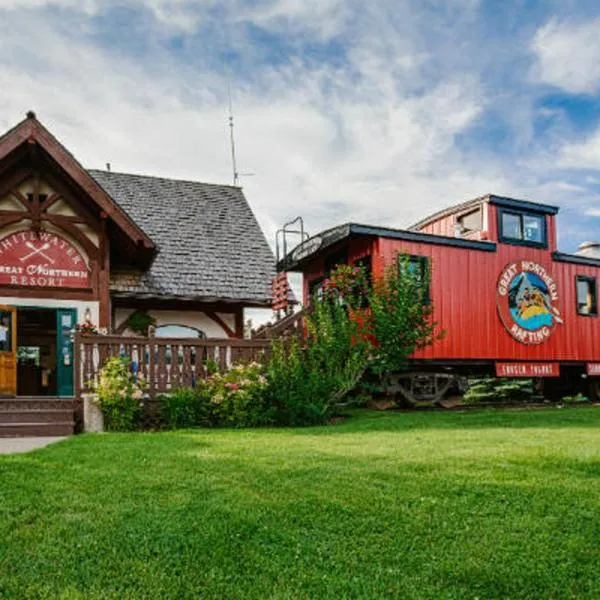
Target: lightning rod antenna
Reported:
point(236, 175)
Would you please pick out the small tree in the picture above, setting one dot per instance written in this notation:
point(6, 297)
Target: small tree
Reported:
point(354, 327)
point(401, 314)
point(308, 378)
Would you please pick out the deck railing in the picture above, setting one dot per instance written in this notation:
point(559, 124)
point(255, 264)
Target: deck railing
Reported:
point(165, 363)
point(292, 324)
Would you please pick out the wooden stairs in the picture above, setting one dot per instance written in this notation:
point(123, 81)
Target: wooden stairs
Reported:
point(36, 417)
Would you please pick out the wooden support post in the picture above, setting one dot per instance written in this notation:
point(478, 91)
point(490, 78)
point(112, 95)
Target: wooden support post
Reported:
point(239, 323)
point(104, 276)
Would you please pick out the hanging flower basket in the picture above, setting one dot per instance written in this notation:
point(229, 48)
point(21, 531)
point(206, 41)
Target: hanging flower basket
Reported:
point(86, 329)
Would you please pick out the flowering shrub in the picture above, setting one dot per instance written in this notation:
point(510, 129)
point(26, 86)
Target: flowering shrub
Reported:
point(120, 395)
point(350, 283)
point(308, 381)
point(86, 328)
point(237, 397)
point(355, 329)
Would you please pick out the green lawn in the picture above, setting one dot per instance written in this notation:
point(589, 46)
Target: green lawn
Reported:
point(403, 505)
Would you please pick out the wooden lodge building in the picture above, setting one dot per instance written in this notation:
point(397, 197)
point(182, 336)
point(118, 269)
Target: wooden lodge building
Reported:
point(82, 246)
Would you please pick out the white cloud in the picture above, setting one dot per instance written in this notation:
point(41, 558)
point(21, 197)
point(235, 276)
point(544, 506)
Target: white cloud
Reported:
point(358, 142)
point(581, 154)
point(179, 14)
point(568, 55)
point(323, 18)
point(569, 187)
point(83, 5)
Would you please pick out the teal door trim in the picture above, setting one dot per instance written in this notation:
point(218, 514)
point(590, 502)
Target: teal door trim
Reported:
point(66, 319)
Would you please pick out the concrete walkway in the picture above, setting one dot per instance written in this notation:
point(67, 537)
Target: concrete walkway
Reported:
point(25, 444)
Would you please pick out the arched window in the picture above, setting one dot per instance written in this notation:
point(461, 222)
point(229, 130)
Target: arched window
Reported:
point(179, 331)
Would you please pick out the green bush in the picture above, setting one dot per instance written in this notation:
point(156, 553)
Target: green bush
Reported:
point(185, 407)
point(575, 399)
point(291, 391)
point(140, 321)
point(307, 382)
point(120, 395)
point(486, 390)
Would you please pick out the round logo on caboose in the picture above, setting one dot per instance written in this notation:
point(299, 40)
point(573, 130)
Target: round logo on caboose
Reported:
point(527, 298)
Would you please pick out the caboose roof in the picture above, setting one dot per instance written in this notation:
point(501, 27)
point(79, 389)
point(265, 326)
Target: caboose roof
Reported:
point(316, 244)
point(503, 201)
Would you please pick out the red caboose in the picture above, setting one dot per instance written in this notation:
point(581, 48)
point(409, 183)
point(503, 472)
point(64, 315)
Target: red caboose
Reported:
point(511, 304)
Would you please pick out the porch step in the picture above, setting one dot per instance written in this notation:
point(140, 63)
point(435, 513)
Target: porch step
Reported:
point(36, 429)
point(36, 416)
point(25, 417)
point(43, 404)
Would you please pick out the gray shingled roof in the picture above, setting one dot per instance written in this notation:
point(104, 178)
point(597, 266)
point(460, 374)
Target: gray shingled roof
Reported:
point(210, 246)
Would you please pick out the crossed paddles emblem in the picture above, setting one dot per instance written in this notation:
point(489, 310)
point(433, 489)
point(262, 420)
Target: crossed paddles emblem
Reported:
point(35, 250)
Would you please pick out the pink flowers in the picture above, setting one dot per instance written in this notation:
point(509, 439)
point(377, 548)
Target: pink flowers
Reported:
point(348, 282)
point(232, 386)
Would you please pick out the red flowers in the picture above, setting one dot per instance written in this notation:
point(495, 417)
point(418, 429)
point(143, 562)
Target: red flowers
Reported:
point(87, 328)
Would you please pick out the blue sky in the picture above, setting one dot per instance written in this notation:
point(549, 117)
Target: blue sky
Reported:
point(378, 112)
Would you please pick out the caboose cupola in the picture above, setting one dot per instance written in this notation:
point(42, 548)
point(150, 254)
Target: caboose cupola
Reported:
point(523, 223)
point(496, 219)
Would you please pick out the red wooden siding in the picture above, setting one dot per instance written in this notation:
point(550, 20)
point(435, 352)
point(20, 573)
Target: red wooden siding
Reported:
point(357, 248)
point(464, 292)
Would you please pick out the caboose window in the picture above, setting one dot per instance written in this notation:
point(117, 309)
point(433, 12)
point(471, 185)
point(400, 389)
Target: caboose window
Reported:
point(525, 229)
point(533, 226)
point(511, 226)
point(365, 263)
point(333, 260)
point(586, 296)
point(418, 267)
point(315, 288)
point(470, 221)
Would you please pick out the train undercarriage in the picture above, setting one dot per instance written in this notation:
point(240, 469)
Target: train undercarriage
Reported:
point(431, 384)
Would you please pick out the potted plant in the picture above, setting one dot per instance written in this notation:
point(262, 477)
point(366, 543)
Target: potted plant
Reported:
point(86, 328)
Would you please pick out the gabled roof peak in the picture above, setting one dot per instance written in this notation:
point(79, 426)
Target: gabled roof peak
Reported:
point(31, 130)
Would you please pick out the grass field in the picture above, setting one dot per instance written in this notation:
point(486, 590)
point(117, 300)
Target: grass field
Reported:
point(425, 505)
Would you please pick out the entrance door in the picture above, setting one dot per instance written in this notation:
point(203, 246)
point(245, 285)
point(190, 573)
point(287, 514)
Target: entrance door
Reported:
point(8, 351)
point(66, 321)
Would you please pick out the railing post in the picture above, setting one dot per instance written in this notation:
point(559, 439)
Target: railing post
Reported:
point(77, 365)
point(152, 351)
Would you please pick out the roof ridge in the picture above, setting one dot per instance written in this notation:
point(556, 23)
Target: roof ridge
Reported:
point(155, 177)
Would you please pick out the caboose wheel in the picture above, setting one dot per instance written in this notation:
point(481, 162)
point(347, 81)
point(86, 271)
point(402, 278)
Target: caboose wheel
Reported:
point(424, 387)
